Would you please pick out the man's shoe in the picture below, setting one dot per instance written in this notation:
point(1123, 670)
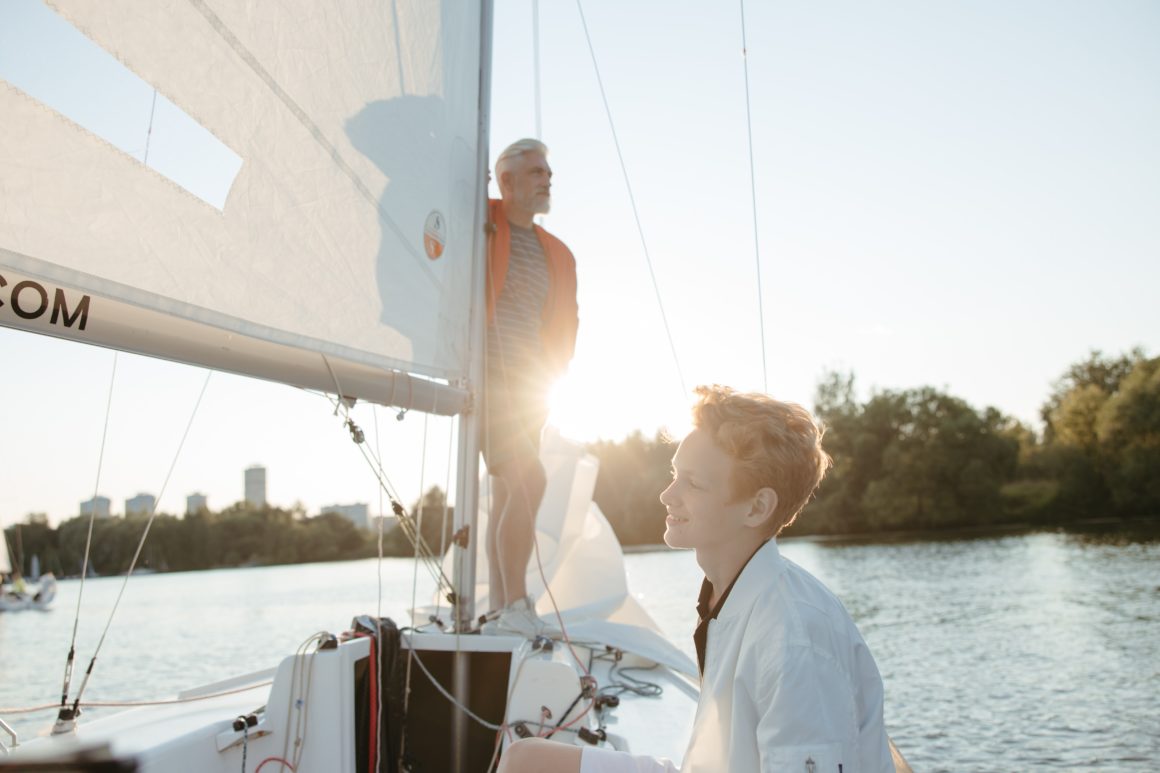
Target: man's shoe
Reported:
point(519, 619)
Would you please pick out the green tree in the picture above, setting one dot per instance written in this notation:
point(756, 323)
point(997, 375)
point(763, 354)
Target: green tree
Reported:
point(1099, 436)
point(633, 472)
point(1127, 429)
point(914, 459)
point(1097, 372)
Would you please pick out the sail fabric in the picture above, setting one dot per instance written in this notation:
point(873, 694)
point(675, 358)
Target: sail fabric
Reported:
point(581, 561)
point(577, 552)
point(346, 234)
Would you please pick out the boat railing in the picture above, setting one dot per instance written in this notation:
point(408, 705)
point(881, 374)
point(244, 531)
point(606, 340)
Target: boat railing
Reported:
point(5, 748)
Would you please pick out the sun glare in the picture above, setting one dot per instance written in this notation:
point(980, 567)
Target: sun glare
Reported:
point(603, 407)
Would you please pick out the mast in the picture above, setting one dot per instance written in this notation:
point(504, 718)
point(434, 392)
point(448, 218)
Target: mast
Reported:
point(467, 480)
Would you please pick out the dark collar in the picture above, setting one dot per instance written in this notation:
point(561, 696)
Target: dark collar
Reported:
point(705, 614)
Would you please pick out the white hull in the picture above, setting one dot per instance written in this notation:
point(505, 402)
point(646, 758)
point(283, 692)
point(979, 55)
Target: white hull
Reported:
point(39, 598)
point(22, 603)
point(317, 709)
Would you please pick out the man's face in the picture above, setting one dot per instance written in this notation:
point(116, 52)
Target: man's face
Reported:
point(529, 184)
point(699, 501)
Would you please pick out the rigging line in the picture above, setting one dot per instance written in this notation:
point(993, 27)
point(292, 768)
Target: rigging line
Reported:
point(149, 131)
point(753, 196)
point(300, 695)
point(247, 56)
point(378, 567)
point(414, 534)
point(72, 647)
point(405, 522)
point(443, 690)
point(446, 497)
point(415, 573)
point(632, 199)
point(339, 403)
point(144, 536)
point(536, 67)
point(376, 466)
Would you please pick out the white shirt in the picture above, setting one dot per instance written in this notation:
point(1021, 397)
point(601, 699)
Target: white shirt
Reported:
point(788, 681)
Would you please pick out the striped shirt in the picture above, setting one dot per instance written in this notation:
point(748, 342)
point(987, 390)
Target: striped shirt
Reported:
point(514, 345)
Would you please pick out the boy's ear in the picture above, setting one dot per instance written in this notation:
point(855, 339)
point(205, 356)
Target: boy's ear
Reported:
point(763, 505)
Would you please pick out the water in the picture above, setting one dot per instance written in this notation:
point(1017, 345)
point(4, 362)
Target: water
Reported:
point(1025, 652)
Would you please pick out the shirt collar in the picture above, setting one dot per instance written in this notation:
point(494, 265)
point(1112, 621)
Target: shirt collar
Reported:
point(705, 614)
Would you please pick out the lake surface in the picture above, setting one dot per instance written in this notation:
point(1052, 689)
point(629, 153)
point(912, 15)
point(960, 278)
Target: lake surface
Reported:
point(1021, 652)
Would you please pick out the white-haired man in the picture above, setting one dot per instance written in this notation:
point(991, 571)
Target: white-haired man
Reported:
point(531, 335)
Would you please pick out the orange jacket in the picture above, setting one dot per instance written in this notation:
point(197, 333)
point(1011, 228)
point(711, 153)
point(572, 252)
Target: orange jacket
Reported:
point(561, 315)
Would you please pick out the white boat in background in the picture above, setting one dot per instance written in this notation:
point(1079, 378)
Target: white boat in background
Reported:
point(38, 595)
point(338, 245)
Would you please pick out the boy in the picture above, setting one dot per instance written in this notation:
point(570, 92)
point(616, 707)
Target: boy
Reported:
point(787, 683)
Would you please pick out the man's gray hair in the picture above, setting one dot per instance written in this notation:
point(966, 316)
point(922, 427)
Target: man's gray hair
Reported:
point(517, 149)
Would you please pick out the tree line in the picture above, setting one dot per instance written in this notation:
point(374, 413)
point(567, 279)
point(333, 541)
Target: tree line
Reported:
point(915, 460)
point(924, 460)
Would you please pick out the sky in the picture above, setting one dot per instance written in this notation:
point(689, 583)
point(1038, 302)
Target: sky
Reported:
point(955, 194)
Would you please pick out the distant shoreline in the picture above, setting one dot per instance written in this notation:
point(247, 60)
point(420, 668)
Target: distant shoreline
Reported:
point(962, 532)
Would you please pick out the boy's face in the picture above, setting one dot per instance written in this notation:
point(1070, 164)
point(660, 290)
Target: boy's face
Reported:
point(702, 513)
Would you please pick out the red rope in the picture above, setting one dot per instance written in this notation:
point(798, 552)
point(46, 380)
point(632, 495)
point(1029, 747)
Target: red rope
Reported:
point(374, 701)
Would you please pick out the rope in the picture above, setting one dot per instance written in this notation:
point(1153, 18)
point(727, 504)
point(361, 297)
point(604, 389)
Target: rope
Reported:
point(379, 564)
point(632, 200)
point(415, 574)
point(536, 66)
point(72, 647)
point(419, 521)
point(245, 740)
point(141, 542)
point(379, 570)
point(149, 131)
point(443, 691)
point(385, 485)
point(753, 196)
point(443, 531)
point(300, 700)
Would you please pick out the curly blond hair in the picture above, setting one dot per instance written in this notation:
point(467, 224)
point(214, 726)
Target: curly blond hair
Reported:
point(773, 445)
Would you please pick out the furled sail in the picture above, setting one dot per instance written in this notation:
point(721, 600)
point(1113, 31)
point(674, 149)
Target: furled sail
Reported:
point(297, 198)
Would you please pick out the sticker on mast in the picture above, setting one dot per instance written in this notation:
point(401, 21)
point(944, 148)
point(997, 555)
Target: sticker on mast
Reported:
point(435, 235)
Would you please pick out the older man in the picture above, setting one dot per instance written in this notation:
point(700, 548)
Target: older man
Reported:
point(531, 335)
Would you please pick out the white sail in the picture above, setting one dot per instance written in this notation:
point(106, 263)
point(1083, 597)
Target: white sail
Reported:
point(342, 245)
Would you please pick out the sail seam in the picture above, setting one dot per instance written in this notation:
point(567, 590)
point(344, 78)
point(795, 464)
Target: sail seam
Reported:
point(248, 57)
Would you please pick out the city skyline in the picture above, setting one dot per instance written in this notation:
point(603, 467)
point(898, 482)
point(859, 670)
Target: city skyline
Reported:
point(357, 512)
